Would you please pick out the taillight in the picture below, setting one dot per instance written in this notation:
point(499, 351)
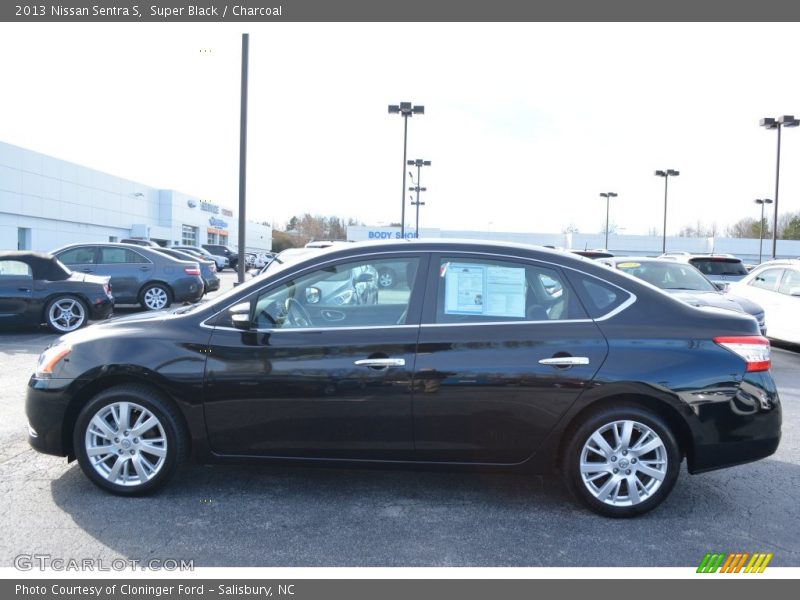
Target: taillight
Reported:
point(107, 289)
point(753, 349)
point(191, 271)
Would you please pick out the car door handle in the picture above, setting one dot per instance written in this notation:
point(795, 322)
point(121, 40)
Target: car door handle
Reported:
point(144, 268)
point(88, 270)
point(23, 289)
point(381, 362)
point(565, 361)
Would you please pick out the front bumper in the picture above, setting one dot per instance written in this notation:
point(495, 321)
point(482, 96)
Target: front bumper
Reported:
point(46, 404)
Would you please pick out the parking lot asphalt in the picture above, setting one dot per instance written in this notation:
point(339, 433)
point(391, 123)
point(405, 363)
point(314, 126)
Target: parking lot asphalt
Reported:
point(279, 516)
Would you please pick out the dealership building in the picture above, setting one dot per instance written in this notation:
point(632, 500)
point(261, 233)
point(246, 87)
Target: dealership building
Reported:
point(46, 203)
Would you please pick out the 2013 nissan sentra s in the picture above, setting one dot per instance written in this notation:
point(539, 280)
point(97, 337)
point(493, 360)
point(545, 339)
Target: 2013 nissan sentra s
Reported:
point(491, 355)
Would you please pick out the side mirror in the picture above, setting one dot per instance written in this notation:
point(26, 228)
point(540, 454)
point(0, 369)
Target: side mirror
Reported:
point(795, 291)
point(240, 316)
point(721, 286)
point(241, 322)
point(313, 295)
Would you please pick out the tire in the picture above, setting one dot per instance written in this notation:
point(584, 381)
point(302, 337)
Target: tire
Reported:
point(386, 278)
point(155, 296)
point(66, 313)
point(600, 488)
point(133, 466)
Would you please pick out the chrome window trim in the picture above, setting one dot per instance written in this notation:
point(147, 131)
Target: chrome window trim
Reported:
point(632, 297)
point(311, 329)
point(482, 323)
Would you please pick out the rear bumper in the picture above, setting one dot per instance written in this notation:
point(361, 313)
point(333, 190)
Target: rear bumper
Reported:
point(101, 308)
point(188, 289)
point(742, 429)
point(212, 284)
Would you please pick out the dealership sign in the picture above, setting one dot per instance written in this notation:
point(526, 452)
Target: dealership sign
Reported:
point(390, 235)
point(218, 223)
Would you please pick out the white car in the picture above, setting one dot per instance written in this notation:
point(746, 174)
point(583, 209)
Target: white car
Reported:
point(775, 285)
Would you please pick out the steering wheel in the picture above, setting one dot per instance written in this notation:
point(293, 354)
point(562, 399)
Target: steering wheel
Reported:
point(296, 314)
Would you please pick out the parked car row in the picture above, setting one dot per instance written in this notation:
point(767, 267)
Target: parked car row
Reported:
point(769, 292)
point(488, 355)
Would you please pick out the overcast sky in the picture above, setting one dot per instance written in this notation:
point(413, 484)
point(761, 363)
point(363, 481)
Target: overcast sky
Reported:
point(525, 123)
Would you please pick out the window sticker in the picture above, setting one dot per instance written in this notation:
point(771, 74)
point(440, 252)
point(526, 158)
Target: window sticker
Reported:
point(491, 291)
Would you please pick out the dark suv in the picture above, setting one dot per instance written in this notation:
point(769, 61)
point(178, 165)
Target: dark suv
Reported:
point(139, 275)
point(220, 250)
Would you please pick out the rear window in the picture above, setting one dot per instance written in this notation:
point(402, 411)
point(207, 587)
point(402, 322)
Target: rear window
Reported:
point(719, 266)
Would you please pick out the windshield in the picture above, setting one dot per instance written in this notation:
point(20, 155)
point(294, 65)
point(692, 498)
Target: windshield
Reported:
point(288, 257)
point(668, 275)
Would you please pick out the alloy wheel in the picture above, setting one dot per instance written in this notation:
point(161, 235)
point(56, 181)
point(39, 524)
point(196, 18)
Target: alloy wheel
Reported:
point(126, 444)
point(67, 314)
point(156, 298)
point(623, 463)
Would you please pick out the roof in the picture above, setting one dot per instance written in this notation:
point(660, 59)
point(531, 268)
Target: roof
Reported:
point(43, 266)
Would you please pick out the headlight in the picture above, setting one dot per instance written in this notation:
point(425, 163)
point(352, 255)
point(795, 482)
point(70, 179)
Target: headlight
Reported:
point(50, 358)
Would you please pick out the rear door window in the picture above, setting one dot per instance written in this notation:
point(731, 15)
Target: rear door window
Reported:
point(474, 290)
point(110, 255)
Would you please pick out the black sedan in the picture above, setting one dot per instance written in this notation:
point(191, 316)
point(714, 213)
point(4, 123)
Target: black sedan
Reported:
point(686, 283)
point(491, 355)
point(36, 288)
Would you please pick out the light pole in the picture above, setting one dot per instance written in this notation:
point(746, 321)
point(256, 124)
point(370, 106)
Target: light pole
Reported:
point(779, 123)
point(666, 175)
point(419, 163)
point(405, 110)
point(761, 226)
point(608, 196)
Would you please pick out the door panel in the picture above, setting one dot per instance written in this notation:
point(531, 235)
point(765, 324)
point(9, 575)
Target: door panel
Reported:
point(296, 385)
point(300, 393)
point(481, 392)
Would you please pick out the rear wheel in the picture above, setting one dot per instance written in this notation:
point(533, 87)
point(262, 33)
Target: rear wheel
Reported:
point(129, 441)
point(156, 296)
point(621, 461)
point(65, 314)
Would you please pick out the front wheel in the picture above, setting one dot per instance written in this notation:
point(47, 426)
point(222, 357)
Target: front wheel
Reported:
point(129, 441)
point(621, 461)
